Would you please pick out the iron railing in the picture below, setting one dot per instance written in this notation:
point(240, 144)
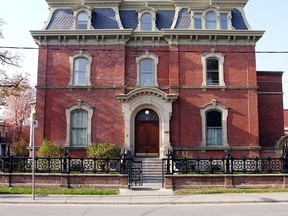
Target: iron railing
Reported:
point(225, 165)
point(64, 165)
point(135, 174)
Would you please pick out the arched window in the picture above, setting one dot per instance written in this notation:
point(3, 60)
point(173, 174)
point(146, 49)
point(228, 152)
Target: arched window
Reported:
point(80, 71)
point(211, 21)
point(79, 123)
point(146, 22)
point(82, 20)
point(212, 68)
point(214, 124)
point(214, 128)
point(147, 72)
point(78, 130)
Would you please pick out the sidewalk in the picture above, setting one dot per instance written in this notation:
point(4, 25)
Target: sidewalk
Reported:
point(146, 197)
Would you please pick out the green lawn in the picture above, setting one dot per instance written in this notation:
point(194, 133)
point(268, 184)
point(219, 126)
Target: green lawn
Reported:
point(59, 191)
point(227, 190)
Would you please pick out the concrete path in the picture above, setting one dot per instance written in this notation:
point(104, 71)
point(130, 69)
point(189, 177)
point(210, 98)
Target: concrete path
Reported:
point(147, 197)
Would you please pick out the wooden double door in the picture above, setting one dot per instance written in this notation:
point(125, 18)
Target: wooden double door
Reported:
point(146, 133)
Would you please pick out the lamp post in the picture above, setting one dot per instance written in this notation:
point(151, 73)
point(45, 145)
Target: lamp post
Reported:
point(34, 125)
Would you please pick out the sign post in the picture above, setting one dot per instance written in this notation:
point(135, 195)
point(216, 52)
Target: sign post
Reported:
point(34, 125)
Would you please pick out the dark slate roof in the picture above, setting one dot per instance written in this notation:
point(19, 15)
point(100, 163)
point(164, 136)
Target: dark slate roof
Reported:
point(104, 18)
point(184, 19)
point(61, 19)
point(238, 21)
point(129, 19)
point(164, 18)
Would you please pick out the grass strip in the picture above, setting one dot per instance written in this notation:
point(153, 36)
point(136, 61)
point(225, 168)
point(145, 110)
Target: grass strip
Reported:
point(59, 191)
point(227, 190)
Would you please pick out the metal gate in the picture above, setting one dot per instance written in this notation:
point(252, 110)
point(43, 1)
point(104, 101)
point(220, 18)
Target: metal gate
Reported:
point(135, 174)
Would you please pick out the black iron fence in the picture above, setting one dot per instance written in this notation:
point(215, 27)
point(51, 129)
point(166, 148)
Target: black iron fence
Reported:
point(65, 165)
point(225, 165)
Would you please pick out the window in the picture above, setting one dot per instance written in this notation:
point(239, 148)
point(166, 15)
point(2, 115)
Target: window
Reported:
point(198, 21)
point(146, 19)
point(213, 128)
point(146, 22)
point(224, 21)
point(80, 69)
point(79, 120)
point(147, 70)
point(212, 71)
point(82, 20)
point(211, 20)
point(214, 124)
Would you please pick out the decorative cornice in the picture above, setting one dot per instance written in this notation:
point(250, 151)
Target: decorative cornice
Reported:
point(204, 3)
point(75, 3)
point(147, 91)
point(212, 37)
point(82, 37)
point(154, 38)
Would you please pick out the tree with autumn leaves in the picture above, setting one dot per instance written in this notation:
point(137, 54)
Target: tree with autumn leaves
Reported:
point(15, 93)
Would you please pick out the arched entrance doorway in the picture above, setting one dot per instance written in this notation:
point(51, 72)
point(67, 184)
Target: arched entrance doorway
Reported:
point(146, 133)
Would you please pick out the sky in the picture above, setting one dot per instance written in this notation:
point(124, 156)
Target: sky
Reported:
point(21, 16)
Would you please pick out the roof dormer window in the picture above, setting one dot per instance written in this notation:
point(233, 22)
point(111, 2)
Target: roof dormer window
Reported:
point(82, 17)
point(210, 20)
point(147, 19)
point(146, 22)
point(224, 21)
point(82, 20)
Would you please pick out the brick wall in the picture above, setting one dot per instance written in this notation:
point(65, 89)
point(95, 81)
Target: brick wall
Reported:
point(64, 180)
point(227, 180)
point(114, 71)
point(270, 103)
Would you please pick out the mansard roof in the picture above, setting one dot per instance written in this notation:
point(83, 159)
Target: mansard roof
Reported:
point(119, 22)
point(106, 18)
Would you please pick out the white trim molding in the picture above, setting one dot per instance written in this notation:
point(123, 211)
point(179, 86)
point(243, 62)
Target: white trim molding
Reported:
point(81, 54)
point(152, 56)
point(220, 58)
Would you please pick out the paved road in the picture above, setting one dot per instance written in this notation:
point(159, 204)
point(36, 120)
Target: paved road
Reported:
point(256, 209)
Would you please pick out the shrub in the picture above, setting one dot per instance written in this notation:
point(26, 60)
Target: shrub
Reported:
point(103, 150)
point(49, 149)
point(19, 148)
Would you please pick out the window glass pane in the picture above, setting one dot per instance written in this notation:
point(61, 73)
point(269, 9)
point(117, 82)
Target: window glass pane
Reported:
point(214, 128)
point(146, 22)
point(147, 72)
point(214, 119)
point(80, 71)
point(147, 115)
point(224, 21)
point(79, 136)
point(212, 71)
point(211, 20)
point(198, 21)
point(82, 20)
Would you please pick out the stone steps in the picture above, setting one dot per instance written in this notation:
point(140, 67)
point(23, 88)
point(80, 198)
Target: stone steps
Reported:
point(152, 171)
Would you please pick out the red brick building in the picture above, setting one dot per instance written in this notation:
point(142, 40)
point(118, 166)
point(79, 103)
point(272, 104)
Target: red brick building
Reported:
point(152, 76)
